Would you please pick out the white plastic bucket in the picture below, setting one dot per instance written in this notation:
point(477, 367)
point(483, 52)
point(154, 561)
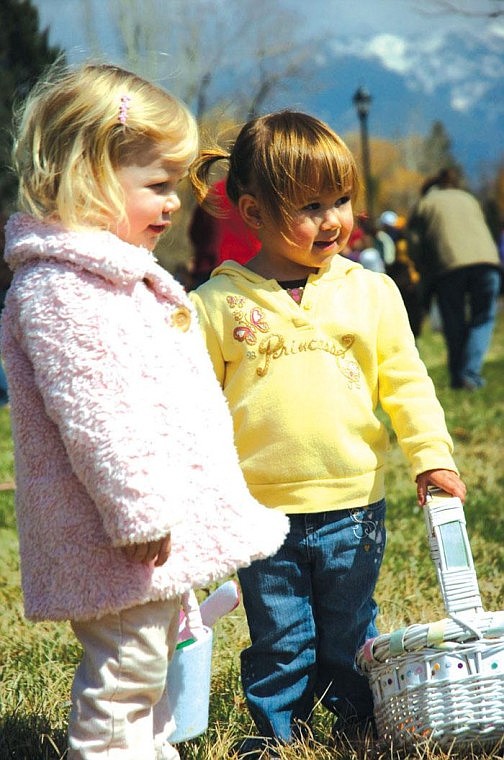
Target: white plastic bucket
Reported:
point(189, 676)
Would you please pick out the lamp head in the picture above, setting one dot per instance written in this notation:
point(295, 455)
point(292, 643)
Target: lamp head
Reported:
point(362, 101)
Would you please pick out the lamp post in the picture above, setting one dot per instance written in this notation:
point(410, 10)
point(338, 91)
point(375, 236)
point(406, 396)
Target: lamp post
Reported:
point(362, 102)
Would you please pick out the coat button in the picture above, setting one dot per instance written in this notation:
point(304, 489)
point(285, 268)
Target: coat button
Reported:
point(181, 318)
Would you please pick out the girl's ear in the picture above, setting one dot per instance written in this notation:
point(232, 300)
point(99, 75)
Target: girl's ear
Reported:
point(250, 211)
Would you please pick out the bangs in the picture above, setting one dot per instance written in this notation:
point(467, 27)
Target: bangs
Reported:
point(300, 158)
point(314, 174)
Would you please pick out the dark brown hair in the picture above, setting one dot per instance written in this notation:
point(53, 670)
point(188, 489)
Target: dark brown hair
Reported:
point(284, 159)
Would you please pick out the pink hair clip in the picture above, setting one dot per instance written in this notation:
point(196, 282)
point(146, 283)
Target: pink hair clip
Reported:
point(123, 108)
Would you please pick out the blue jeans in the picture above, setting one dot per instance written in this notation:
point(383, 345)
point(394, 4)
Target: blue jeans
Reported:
point(467, 299)
point(309, 608)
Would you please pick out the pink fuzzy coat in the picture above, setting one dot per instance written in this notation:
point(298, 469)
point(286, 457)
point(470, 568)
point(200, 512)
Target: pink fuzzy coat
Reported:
point(121, 432)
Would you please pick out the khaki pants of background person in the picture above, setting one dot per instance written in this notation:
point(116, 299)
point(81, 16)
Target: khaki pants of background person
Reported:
point(121, 677)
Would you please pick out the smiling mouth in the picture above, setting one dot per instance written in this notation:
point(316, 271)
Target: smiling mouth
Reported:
point(325, 243)
point(157, 228)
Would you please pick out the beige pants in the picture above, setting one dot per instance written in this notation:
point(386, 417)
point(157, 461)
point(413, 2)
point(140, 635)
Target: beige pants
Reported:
point(121, 677)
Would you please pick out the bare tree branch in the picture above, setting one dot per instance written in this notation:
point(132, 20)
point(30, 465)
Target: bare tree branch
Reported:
point(214, 54)
point(443, 7)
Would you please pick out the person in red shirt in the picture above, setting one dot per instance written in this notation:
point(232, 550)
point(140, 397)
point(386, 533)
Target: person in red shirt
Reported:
point(219, 238)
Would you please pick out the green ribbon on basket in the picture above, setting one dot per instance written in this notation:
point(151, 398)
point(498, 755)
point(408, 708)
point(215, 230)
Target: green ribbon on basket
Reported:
point(396, 643)
point(435, 633)
point(495, 631)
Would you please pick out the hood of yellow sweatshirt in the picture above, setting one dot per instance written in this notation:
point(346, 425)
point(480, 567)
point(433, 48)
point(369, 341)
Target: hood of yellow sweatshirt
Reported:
point(338, 267)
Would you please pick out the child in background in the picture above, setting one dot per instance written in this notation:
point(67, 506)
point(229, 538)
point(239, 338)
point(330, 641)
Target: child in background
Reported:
point(307, 344)
point(219, 235)
point(129, 490)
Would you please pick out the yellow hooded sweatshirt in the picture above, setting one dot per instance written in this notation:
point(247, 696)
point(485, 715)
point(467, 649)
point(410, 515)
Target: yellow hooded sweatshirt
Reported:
point(303, 382)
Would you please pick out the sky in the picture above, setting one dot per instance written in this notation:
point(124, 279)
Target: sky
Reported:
point(423, 60)
point(413, 38)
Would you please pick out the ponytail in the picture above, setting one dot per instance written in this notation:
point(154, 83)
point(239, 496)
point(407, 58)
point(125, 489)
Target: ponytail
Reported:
point(200, 175)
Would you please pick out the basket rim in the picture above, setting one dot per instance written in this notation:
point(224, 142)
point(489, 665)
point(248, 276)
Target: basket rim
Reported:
point(444, 634)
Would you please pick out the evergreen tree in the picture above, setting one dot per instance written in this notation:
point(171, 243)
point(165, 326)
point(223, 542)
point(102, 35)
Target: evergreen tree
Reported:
point(24, 54)
point(436, 153)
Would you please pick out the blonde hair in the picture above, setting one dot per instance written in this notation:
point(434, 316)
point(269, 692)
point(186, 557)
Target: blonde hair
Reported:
point(75, 131)
point(284, 159)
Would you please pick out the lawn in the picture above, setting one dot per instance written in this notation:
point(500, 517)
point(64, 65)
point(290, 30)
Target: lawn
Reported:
point(37, 661)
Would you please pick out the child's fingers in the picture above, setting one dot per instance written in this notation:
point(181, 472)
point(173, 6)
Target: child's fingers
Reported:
point(164, 551)
point(135, 552)
point(446, 480)
point(151, 550)
point(421, 491)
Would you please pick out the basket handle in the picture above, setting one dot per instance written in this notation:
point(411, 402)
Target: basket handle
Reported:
point(451, 553)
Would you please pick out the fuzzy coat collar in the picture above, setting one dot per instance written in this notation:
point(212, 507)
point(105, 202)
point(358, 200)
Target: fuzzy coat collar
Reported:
point(99, 252)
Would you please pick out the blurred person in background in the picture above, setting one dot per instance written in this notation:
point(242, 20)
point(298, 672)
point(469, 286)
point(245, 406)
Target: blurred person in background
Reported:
point(456, 255)
point(219, 237)
point(392, 235)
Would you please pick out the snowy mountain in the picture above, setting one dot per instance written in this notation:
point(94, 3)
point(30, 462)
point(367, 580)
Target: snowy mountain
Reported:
point(408, 98)
point(421, 60)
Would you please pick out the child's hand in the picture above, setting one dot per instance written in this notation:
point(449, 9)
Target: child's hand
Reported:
point(447, 480)
point(152, 550)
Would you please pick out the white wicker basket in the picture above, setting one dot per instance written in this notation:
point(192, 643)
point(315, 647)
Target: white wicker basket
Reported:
point(442, 681)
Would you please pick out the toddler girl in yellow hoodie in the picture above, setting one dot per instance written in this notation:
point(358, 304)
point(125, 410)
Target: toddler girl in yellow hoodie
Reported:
point(307, 344)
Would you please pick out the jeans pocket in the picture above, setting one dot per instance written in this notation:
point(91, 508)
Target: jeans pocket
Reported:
point(368, 524)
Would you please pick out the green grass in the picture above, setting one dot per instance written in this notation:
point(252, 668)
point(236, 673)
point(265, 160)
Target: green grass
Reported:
point(37, 661)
